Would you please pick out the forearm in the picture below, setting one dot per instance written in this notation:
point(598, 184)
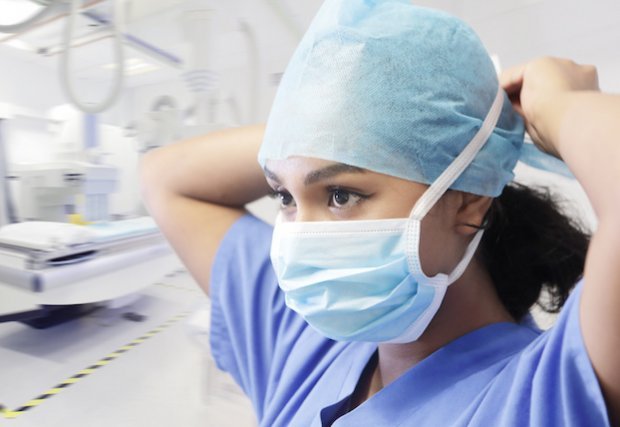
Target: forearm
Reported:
point(219, 168)
point(584, 128)
point(196, 190)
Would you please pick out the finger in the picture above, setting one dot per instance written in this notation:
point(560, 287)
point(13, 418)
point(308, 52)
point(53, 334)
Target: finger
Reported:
point(512, 78)
point(516, 105)
point(593, 73)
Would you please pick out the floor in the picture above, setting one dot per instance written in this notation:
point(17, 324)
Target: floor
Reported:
point(111, 368)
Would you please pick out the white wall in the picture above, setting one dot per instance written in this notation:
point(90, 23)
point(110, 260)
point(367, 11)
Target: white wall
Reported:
point(24, 83)
point(519, 30)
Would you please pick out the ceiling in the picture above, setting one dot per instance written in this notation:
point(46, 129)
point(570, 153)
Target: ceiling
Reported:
point(156, 42)
point(514, 29)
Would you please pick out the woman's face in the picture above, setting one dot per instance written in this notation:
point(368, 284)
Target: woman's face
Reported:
point(312, 189)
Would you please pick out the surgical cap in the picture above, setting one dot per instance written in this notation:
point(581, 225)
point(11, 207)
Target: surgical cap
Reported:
point(396, 89)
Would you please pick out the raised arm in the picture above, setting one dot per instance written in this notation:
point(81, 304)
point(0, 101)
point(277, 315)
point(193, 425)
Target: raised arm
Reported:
point(196, 189)
point(568, 116)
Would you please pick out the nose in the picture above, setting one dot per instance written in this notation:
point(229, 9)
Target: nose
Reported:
point(310, 214)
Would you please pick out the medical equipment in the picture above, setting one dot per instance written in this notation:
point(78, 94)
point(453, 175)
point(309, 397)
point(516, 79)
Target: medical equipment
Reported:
point(160, 126)
point(52, 191)
point(65, 61)
point(65, 74)
point(199, 23)
point(72, 179)
point(45, 264)
point(29, 251)
point(167, 120)
point(53, 264)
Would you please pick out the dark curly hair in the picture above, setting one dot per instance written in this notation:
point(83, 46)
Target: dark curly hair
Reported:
point(530, 245)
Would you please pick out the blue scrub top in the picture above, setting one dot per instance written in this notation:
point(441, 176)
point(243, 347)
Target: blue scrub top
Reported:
point(503, 374)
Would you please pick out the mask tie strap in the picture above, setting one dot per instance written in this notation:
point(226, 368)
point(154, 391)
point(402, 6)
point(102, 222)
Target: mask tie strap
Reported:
point(441, 185)
point(460, 163)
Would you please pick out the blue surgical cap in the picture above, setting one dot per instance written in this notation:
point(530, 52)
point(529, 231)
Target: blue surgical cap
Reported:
point(396, 89)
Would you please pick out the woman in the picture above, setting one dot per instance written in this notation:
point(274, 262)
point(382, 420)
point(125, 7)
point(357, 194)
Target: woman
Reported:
point(403, 266)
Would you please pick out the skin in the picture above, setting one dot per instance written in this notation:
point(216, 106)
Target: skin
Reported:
point(565, 114)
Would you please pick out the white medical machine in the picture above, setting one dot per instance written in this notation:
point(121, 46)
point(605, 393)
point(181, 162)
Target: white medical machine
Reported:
point(45, 265)
point(52, 191)
point(45, 261)
point(48, 264)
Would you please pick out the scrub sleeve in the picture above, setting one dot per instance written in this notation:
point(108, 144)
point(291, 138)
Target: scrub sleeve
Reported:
point(247, 314)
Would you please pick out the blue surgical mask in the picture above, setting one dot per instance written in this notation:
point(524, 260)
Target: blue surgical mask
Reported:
point(363, 280)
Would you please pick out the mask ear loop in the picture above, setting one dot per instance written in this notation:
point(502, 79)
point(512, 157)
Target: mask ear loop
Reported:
point(441, 185)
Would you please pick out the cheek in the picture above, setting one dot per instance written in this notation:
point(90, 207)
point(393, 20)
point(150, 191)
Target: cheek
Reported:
point(438, 247)
point(390, 206)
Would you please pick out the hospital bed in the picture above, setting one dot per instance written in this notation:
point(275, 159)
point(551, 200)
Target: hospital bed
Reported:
point(45, 264)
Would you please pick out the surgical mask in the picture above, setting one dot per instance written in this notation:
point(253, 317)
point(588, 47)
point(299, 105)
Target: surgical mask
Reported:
point(363, 280)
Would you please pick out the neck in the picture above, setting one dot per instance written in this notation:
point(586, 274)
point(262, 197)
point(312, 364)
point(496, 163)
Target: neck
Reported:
point(469, 304)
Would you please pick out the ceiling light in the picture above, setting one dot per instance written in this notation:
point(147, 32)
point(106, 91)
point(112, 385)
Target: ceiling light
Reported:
point(16, 11)
point(134, 66)
point(19, 44)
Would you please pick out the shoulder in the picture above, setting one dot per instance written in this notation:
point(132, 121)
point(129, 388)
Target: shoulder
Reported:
point(553, 377)
point(248, 237)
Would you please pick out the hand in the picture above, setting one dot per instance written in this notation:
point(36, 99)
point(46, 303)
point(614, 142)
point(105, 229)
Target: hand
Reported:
point(536, 90)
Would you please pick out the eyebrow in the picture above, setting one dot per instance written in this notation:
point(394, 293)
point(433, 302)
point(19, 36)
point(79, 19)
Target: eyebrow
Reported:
point(320, 174)
point(271, 175)
point(330, 172)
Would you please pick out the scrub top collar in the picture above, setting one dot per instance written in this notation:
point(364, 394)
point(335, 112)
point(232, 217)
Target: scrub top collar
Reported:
point(460, 358)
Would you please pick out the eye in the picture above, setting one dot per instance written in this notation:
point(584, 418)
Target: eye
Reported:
point(340, 198)
point(285, 198)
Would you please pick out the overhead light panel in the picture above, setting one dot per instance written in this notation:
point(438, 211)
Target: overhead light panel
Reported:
point(19, 44)
point(134, 66)
point(16, 10)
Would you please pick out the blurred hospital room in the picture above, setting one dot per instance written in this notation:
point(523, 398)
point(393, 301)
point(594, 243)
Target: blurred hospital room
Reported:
point(100, 323)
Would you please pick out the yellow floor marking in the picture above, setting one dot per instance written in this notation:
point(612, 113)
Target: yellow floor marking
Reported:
point(8, 414)
point(11, 414)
